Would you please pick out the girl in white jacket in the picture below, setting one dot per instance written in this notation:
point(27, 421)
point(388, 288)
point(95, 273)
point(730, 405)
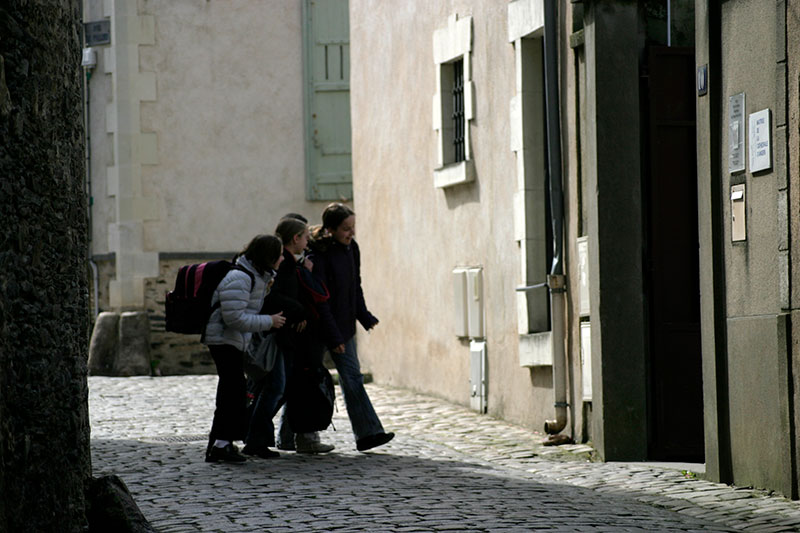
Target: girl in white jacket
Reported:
point(240, 296)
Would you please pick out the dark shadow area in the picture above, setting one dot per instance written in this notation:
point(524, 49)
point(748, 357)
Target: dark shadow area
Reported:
point(383, 491)
point(463, 193)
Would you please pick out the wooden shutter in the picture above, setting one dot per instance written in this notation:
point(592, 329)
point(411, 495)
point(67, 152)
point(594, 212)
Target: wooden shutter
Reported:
point(327, 85)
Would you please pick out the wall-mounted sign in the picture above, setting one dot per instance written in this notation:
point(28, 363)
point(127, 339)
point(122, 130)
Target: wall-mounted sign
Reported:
point(760, 141)
point(736, 133)
point(97, 32)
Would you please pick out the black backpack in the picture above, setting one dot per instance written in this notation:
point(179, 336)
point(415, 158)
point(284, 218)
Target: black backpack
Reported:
point(310, 399)
point(188, 305)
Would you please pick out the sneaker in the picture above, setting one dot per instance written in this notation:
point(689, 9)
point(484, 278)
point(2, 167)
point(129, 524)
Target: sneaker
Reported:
point(228, 454)
point(314, 447)
point(285, 446)
point(366, 443)
point(264, 453)
point(310, 443)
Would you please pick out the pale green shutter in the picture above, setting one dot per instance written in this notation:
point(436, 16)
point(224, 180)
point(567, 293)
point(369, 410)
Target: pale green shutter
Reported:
point(327, 85)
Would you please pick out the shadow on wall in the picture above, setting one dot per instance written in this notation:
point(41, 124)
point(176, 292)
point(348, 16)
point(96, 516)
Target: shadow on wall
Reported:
point(463, 194)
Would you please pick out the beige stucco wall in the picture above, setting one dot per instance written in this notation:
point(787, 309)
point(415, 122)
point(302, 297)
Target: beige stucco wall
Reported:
point(412, 234)
point(197, 135)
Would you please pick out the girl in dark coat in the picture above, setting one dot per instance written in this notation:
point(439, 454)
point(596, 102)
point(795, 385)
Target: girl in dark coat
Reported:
point(297, 343)
point(337, 263)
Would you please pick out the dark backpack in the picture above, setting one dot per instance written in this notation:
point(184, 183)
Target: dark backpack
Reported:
point(188, 305)
point(310, 399)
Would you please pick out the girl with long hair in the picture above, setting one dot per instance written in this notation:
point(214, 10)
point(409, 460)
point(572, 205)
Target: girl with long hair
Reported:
point(337, 263)
point(236, 303)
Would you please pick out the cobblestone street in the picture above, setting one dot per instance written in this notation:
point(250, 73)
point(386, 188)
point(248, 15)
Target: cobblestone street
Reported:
point(448, 469)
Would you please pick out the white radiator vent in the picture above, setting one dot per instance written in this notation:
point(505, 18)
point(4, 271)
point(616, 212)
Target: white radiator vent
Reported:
point(583, 273)
point(460, 301)
point(477, 376)
point(586, 360)
point(475, 303)
point(468, 286)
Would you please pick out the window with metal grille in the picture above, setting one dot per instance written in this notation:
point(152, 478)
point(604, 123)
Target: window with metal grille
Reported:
point(458, 111)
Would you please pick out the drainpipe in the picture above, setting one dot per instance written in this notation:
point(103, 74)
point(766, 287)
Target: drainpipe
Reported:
point(89, 61)
point(95, 287)
point(556, 279)
point(669, 22)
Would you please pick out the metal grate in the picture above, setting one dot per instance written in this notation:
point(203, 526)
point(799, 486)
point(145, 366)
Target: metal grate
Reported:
point(458, 111)
point(175, 438)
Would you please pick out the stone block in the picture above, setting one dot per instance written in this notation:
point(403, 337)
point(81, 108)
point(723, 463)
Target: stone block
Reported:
point(103, 345)
point(110, 507)
point(133, 355)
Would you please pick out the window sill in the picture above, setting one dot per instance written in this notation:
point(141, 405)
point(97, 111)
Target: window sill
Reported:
point(454, 174)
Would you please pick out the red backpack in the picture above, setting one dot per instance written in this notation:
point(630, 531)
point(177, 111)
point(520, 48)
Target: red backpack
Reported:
point(188, 305)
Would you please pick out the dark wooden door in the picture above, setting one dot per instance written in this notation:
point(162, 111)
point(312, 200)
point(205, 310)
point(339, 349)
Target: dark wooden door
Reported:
point(675, 373)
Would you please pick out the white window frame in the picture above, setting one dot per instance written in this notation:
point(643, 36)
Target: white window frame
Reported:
point(528, 137)
point(450, 44)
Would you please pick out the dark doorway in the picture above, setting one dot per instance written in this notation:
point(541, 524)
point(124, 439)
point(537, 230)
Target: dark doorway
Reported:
point(675, 395)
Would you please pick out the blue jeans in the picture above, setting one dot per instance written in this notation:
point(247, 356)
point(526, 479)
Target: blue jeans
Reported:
point(269, 396)
point(363, 418)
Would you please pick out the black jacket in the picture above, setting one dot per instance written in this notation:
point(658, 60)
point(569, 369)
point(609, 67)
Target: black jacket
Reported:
point(339, 267)
point(289, 296)
point(285, 294)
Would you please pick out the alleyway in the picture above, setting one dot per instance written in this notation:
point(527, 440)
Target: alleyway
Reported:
point(448, 469)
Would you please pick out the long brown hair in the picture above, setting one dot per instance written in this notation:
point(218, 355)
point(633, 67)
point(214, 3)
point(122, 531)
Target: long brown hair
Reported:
point(332, 218)
point(288, 228)
point(263, 251)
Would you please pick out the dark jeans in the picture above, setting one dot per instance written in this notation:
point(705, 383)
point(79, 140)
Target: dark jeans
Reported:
point(271, 392)
point(363, 419)
point(268, 397)
point(230, 416)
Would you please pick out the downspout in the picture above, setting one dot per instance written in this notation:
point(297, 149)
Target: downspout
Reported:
point(89, 61)
point(556, 279)
point(669, 22)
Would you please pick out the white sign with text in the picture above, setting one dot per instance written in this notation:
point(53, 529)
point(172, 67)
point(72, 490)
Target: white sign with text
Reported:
point(760, 141)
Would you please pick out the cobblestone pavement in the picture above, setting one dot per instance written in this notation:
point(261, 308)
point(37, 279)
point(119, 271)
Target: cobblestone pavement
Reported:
point(448, 469)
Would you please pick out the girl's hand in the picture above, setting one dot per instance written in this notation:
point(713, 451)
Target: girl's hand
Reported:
point(278, 320)
point(339, 349)
point(308, 264)
point(300, 326)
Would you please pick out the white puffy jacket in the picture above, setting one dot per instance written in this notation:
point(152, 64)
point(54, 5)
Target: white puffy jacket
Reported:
point(237, 316)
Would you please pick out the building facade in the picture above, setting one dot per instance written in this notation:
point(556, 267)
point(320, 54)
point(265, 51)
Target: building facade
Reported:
point(747, 168)
point(673, 339)
point(576, 216)
point(207, 121)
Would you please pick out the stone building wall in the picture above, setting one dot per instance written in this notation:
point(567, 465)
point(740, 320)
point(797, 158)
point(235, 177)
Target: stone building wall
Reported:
point(44, 430)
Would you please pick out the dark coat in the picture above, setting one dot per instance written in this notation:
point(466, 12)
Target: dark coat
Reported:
point(289, 296)
point(285, 293)
point(339, 267)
